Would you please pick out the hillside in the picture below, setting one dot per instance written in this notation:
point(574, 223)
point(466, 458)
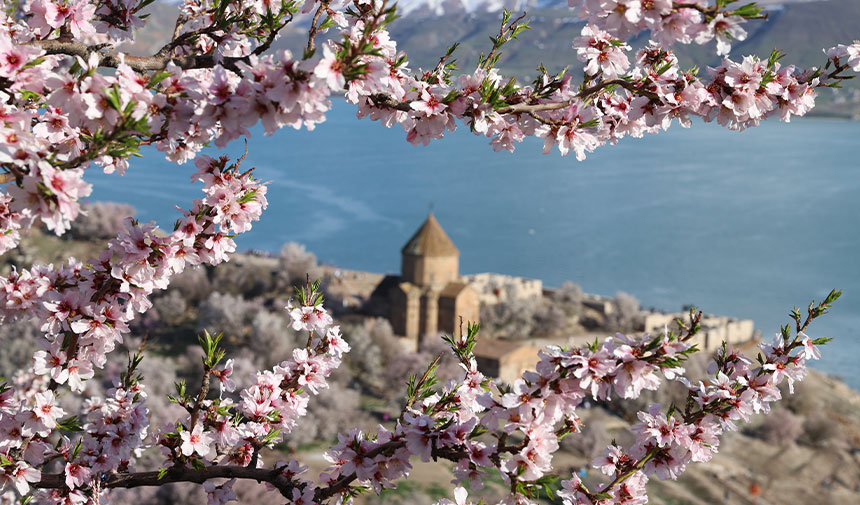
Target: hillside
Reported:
point(806, 452)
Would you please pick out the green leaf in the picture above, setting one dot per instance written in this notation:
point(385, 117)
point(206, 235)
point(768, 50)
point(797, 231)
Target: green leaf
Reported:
point(833, 296)
point(71, 423)
point(30, 95)
point(157, 77)
point(113, 98)
point(750, 10)
point(33, 63)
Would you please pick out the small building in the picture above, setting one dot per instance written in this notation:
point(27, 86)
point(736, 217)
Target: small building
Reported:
point(429, 296)
point(714, 329)
point(505, 360)
point(498, 288)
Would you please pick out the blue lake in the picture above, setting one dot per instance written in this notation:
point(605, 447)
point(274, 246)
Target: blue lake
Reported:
point(743, 224)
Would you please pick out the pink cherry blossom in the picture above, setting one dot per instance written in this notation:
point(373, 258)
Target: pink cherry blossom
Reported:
point(76, 475)
point(601, 52)
point(330, 69)
point(196, 441)
point(21, 475)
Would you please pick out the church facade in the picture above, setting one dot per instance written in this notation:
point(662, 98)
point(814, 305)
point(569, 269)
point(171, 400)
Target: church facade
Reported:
point(429, 297)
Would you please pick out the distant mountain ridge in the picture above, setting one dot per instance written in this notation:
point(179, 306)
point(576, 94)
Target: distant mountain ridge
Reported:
point(447, 7)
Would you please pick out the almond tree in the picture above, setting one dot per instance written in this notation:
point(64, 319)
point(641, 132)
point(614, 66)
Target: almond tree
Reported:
point(72, 100)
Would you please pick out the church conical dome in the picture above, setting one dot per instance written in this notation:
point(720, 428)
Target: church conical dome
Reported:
point(430, 240)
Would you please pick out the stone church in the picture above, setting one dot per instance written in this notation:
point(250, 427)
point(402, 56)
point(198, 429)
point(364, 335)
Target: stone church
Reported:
point(429, 296)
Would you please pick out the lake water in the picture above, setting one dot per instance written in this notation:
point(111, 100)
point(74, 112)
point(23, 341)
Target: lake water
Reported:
point(738, 224)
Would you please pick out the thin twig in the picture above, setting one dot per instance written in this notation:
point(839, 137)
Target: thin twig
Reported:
point(314, 29)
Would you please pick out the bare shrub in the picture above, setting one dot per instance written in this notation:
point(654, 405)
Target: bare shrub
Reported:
point(374, 348)
point(781, 427)
point(550, 320)
point(593, 438)
point(295, 264)
point(18, 341)
point(398, 371)
point(101, 220)
point(252, 493)
point(193, 284)
point(247, 279)
point(569, 298)
point(171, 308)
point(227, 313)
point(804, 401)
point(512, 319)
point(271, 339)
point(180, 493)
point(625, 308)
point(335, 410)
point(820, 430)
point(383, 336)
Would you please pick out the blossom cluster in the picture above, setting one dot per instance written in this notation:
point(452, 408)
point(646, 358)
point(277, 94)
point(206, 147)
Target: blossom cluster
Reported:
point(85, 310)
point(666, 442)
point(848, 55)
point(228, 432)
point(60, 114)
point(40, 412)
point(452, 423)
point(617, 101)
point(279, 397)
point(115, 431)
point(669, 22)
point(434, 424)
point(48, 15)
point(527, 419)
point(614, 101)
point(601, 52)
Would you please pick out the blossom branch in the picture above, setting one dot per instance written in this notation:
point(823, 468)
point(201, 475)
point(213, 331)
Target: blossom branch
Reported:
point(137, 63)
point(176, 474)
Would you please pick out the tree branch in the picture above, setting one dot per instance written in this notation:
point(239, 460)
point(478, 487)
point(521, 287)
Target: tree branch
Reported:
point(701, 8)
point(201, 396)
point(138, 63)
point(384, 100)
point(314, 29)
point(262, 48)
point(173, 475)
point(178, 40)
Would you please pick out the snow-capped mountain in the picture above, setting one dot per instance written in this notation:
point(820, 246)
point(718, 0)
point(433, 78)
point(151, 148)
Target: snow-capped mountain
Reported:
point(446, 7)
